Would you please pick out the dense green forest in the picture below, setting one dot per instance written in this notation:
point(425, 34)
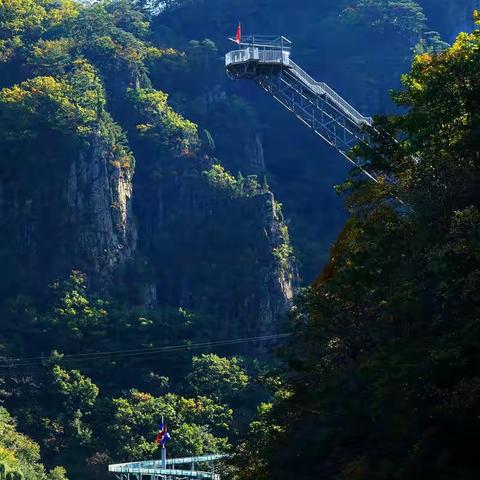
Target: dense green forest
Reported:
point(383, 373)
point(140, 209)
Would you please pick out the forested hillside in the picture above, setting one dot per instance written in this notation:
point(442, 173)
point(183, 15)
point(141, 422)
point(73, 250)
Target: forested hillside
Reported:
point(122, 230)
point(382, 378)
point(148, 204)
point(360, 48)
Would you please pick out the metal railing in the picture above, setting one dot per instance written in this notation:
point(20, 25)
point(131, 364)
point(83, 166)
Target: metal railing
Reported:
point(344, 104)
point(267, 41)
point(155, 467)
point(241, 56)
point(273, 52)
point(306, 78)
point(322, 88)
point(281, 57)
point(170, 461)
point(156, 472)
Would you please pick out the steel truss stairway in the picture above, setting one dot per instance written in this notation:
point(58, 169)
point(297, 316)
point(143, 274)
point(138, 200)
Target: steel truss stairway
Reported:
point(266, 60)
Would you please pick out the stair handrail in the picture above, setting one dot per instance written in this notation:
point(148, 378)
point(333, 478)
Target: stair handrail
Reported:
point(323, 88)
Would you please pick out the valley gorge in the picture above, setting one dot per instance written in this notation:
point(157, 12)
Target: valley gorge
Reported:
point(178, 253)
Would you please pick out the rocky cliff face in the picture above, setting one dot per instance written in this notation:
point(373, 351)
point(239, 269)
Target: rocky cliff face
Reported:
point(174, 230)
point(72, 215)
point(253, 152)
point(98, 195)
point(215, 248)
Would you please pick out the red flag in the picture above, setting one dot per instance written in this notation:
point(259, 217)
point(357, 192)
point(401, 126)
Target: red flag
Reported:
point(238, 35)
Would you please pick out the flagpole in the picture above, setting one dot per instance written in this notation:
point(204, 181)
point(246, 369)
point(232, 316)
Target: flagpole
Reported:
point(164, 452)
point(164, 457)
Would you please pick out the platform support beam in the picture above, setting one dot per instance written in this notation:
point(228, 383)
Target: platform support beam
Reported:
point(314, 103)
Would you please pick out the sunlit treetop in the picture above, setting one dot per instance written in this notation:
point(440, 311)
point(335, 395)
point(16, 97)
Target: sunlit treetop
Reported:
point(70, 103)
point(24, 21)
point(162, 124)
point(440, 92)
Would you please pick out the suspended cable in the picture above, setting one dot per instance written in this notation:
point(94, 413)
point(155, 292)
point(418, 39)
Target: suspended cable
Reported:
point(9, 363)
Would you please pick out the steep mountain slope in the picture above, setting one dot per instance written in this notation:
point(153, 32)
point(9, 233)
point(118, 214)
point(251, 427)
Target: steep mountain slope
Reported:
point(382, 376)
point(106, 161)
point(359, 47)
point(121, 230)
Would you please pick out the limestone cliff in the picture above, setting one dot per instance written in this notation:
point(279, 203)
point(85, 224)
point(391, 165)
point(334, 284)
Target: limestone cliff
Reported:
point(73, 214)
point(109, 179)
point(98, 196)
point(216, 246)
point(220, 249)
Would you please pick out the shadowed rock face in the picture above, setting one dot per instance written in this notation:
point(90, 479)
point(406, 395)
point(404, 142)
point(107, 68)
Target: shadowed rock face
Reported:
point(69, 214)
point(77, 204)
point(214, 252)
point(208, 250)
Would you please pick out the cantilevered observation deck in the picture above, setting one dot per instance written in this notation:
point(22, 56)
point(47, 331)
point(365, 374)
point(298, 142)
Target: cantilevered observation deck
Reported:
point(267, 61)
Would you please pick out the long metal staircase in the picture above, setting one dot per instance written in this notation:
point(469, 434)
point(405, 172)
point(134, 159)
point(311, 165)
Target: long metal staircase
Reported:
point(266, 60)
